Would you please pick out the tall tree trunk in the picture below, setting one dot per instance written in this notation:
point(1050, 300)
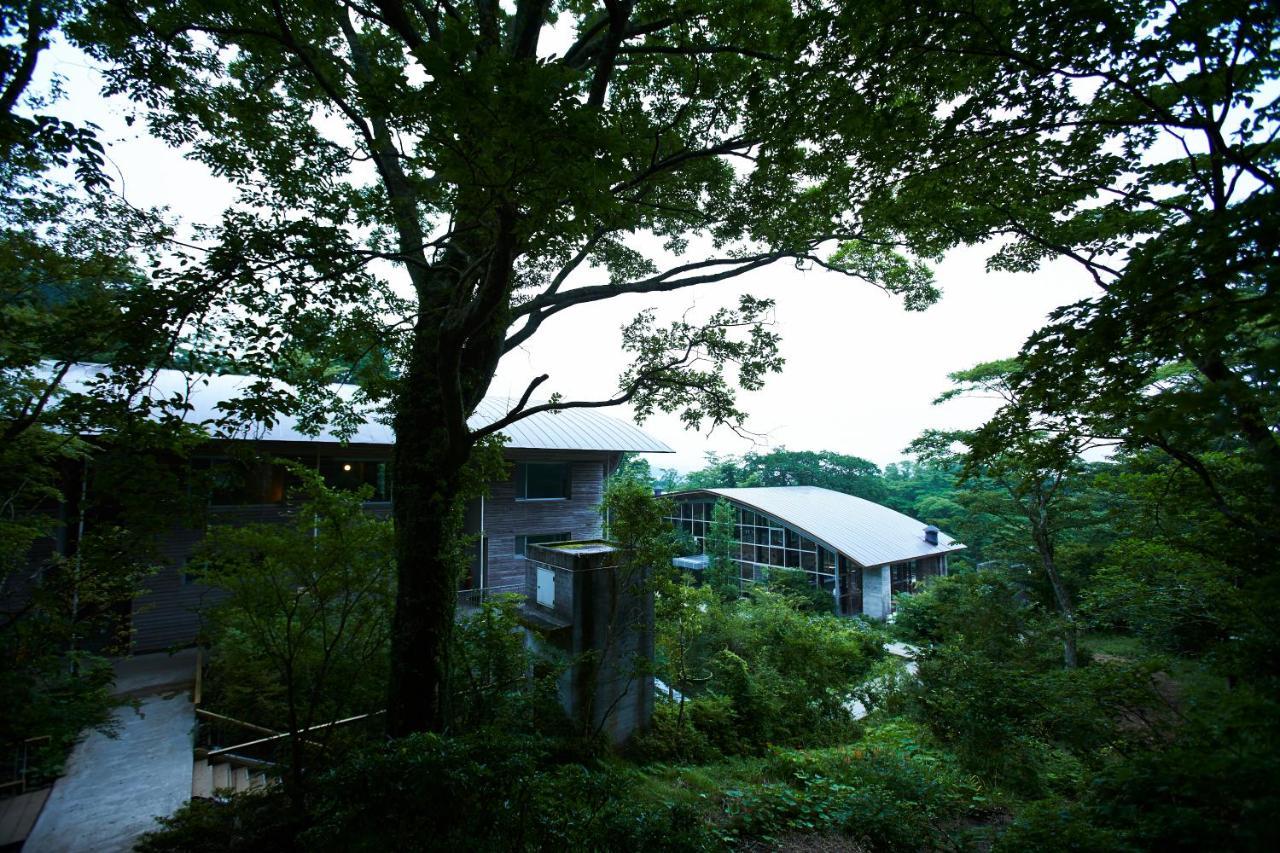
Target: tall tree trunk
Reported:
point(1044, 545)
point(427, 482)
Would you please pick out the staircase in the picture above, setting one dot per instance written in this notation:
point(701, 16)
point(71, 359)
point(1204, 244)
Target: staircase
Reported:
point(220, 771)
point(214, 777)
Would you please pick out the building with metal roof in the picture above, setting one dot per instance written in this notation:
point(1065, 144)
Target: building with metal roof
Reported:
point(859, 551)
point(551, 492)
point(203, 396)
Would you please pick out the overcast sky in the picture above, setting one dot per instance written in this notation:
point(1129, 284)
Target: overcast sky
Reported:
point(860, 372)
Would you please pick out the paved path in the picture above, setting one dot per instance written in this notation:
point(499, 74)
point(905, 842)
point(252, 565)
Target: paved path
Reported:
point(901, 650)
point(114, 788)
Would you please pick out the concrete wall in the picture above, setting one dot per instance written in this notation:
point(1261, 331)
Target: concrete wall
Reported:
point(602, 620)
point(877, 598)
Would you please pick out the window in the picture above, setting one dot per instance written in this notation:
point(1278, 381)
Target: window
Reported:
point(902, 576)
point(524, 540)
point(542, 481)
point(237, 481)
point(353, 473)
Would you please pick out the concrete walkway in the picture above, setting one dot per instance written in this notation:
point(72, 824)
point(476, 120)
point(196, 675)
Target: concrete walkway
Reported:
point(114, 788)
point(902, 650)
point(899, 650)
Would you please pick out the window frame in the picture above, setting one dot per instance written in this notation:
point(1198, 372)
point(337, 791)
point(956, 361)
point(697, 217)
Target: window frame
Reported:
point(522, 481)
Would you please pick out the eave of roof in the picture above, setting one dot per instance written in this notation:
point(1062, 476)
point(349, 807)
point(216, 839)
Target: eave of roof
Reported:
point(864, 531)
point(568, 429)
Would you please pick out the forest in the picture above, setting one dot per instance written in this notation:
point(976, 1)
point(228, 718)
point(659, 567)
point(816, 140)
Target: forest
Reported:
point(415, 188)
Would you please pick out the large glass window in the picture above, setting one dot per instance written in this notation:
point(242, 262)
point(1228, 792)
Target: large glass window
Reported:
point(542, 481)
point(241, 482)
point(760, 543)
point(353, 473)
point(902, 576)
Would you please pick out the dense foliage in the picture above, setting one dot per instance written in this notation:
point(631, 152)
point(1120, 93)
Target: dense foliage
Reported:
point(752, 672)
point(300, 631)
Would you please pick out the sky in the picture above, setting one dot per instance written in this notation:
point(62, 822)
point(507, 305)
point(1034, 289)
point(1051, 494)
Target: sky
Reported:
point(861, 372)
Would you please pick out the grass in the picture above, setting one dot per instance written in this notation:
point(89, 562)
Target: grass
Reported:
point(697, 784)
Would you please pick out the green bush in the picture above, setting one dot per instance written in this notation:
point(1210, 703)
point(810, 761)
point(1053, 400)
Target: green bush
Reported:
point(488, 792)
point(706, 730)
point(993, 688)
point(1055, 826)
point(246, 823)
point(496, 680)
point(891, 794)
point(979, 606)
point(1211, 782)
point(791, 674)
point(798, 586)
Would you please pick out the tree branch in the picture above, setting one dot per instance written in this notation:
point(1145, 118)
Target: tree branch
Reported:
point(547, 304)
point(31, 47)
point(619, 14)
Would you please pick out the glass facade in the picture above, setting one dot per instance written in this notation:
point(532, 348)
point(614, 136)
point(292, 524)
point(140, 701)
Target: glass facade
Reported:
point(903, 577)
point(761, 543)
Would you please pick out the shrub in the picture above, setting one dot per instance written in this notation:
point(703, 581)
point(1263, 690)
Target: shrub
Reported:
point(243, 824)
point(490, 791)
point(496, 679)
point(1055, 826)
point(705, 730)
point(798, 586)
point(890, 794)
point(980, 606)
point(791, 674)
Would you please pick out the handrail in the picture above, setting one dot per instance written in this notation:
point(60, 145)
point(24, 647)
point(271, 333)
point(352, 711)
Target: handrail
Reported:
point(229, 749)
point(201, 712)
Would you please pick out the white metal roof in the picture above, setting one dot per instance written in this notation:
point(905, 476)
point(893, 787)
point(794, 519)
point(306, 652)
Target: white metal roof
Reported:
point(863, 530)
point(570, 429)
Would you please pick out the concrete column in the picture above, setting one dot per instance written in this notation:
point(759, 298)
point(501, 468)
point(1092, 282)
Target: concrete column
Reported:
point(877, 592)
point(584, 598)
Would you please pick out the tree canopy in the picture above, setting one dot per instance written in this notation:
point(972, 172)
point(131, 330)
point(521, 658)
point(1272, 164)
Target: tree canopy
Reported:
point(419, 187)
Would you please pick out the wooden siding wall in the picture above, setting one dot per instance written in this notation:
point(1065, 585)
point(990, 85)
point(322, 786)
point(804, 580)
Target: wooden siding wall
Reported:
point(168, 614)
point(505, 518)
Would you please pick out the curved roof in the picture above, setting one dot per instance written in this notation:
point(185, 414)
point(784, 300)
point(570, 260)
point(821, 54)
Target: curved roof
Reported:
point(570, 429)
point(862, 530)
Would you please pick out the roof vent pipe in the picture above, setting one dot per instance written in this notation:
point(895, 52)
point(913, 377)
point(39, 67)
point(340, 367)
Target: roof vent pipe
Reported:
point(931, 535)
